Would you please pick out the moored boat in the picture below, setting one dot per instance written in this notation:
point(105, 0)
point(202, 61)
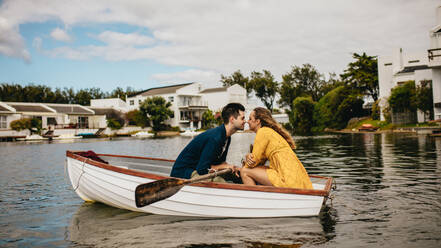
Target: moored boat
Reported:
point(143, 134)
point(190, 133)
point(112, 179)
point(33, 137)
point(67, 136)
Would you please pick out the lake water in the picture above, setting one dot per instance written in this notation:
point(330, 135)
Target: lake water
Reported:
point(388, 194)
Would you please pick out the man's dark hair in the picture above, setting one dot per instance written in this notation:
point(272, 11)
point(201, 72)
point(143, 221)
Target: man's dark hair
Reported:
point(231, 109)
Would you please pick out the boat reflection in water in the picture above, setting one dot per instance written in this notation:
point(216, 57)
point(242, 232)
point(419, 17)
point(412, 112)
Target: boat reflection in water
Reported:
point(96, 224)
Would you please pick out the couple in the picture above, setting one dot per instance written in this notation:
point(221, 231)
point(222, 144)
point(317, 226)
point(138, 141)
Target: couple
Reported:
point(208, 151)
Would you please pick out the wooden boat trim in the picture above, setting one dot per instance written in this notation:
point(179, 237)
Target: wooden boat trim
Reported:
point(272, 189)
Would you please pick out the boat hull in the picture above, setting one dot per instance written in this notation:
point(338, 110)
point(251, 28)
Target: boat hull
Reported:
point(115, 186)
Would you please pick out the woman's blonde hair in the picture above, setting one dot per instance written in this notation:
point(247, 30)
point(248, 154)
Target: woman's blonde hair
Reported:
point(266, 120)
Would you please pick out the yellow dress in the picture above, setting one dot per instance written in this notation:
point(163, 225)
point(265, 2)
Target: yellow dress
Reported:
point(285, 169)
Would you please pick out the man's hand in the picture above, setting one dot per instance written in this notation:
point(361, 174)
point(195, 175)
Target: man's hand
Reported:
point(234, 169)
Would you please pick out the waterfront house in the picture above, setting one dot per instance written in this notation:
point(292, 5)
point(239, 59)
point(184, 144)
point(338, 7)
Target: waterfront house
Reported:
point(186, 103)
point(420, 67)
point(189, 101)
point(73, 116)
point(114, 103)
point(52, 115)
point(217, 98)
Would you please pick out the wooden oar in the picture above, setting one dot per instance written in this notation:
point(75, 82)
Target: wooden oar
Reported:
point(148, 193)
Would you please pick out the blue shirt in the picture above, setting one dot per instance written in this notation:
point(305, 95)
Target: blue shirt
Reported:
point(204, 150)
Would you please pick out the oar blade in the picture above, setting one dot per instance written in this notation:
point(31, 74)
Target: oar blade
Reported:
point(148, 193)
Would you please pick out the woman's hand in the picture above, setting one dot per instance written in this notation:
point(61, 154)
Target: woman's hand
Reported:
point(249, 160)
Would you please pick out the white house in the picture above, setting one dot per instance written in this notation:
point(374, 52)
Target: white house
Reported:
point(189, 101)
point(187, 104)
point(217, 98)
point(434, 55)
point(401, 67)
point(51, 114)
point(115, 103)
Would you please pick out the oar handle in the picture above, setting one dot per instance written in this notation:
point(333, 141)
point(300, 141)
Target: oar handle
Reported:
point(209, 176)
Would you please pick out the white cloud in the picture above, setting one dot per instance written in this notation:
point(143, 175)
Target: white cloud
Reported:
point(60, 35)
point(192, 75)
point(11, 43)
point(124, 40)
point(227, 35)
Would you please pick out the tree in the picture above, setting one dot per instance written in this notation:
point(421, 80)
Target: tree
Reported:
point(333, 82)
point(302, 119)
point(157, 110)
point(237, 78)
point(136, 117)
point(402, 98)
point(82, 97)
point(265, 87)
point(70, 95)
point(362, 75)
point(300, 81)
point(424, 98)
point(336, 108)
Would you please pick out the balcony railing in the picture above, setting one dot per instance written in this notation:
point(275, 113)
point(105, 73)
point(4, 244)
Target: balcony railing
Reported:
point(435, 52)
point(192, 103)
point(434, 56)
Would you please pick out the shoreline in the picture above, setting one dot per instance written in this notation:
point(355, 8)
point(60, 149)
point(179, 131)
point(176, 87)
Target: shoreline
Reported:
point(435, 131)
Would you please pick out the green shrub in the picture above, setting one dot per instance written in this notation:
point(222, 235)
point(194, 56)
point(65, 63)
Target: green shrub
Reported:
point(114, 124)
point(375, 110)
point(208, 120)
point(32, 124)
point(21, 124)
point(387, 113)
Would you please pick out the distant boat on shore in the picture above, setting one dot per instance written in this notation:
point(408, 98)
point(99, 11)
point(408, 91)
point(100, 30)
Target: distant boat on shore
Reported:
point(190, 133)
point(143, 134)
point(67, 136)
point(33, 137)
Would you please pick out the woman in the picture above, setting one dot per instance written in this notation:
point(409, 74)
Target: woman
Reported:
point(272, 143)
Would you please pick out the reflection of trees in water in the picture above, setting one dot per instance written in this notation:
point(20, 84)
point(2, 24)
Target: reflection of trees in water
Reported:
point(102, 226)
point(352, 159)
point(438, 154)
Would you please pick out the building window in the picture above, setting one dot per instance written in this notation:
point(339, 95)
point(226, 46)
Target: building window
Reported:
point(3, 123)
point(414, 61)
point(51, 121)
point(83, 122)
point(387, 64)
point(139, 101)
point(171, 98)
point(132, 102)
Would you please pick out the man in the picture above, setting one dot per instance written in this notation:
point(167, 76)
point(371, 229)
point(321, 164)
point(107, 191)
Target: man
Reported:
point(208, 151)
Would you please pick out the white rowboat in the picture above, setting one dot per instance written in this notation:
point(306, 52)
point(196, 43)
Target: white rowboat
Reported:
point(114, 184)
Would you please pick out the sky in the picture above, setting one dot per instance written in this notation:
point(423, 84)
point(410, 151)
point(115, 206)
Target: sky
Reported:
point(144, 44)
